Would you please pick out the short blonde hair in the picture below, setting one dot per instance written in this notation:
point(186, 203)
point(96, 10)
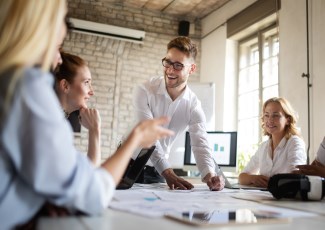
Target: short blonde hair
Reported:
point(29, 32)
point(290, 114)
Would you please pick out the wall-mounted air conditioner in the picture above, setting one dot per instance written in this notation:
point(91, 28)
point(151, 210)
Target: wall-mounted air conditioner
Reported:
point(104, 30)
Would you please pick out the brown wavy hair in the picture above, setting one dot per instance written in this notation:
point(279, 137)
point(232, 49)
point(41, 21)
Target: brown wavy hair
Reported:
point(185, 45)
point(69, 67)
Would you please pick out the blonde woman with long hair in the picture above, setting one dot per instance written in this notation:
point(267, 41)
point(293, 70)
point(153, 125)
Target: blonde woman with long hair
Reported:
point(282, 151)
point(38, 162)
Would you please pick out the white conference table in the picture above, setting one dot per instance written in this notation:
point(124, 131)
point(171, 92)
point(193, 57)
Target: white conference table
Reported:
point(120, 220)
point(112, 219)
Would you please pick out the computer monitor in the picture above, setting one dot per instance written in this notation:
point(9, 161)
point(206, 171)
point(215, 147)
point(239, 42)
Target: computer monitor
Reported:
point(223, 147)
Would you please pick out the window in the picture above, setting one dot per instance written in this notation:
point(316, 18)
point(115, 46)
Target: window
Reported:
point(257, 82)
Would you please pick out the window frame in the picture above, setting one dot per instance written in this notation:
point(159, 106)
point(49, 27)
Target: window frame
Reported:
point(258, 34)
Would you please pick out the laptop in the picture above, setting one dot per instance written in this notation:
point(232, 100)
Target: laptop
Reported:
point(236, 185)
point(240, 186)
point(135, 168)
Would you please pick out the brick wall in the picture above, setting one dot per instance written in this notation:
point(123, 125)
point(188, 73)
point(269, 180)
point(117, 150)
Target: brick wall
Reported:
point(117, 66)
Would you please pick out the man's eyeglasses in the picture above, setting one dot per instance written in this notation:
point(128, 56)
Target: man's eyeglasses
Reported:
point(176, 65)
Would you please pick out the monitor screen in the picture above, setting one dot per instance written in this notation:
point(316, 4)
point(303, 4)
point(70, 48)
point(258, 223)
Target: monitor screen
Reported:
point(223, 147)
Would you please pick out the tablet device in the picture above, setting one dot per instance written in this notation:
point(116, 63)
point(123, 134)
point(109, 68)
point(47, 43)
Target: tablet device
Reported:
point(135, 168)
point(228, 217)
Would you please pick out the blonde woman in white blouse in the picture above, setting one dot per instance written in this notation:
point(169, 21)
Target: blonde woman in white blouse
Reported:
point(284, 149)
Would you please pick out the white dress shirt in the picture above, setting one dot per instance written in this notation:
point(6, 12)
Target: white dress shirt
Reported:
point(152, 100)
point(320, 157)
point(38, 160)
point(287, 155)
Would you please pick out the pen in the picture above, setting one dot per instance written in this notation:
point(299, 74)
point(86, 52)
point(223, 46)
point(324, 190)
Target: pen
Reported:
point(216, 167)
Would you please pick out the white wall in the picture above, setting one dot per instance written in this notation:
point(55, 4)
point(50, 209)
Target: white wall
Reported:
point(317, 67)
point(292, 60)
point(216, 54)
point(214, 68)
point(219, 17)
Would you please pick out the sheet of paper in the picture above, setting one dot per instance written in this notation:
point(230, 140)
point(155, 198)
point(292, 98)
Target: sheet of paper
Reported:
point(134, 195)
point(196, 195)
point(253, 195)
point(156, 208)
point(156, 202)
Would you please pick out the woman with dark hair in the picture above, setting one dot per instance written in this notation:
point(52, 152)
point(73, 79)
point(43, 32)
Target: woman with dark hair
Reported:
point(74, 89)
point(282, 151)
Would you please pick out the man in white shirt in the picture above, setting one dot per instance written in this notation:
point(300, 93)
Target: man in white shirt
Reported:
point(169, 95)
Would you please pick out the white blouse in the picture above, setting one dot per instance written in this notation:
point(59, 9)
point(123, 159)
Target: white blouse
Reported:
point(287, 155)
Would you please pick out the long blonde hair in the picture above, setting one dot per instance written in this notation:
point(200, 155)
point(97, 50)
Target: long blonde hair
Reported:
point(29, 32)
point(290, 114)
